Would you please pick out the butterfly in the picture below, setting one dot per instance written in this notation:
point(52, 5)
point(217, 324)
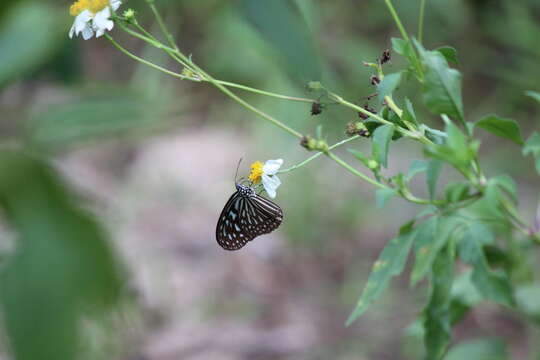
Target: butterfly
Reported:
point(245, 216)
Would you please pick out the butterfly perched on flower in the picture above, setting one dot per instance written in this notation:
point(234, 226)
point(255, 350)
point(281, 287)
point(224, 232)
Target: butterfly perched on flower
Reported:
point(247, 214)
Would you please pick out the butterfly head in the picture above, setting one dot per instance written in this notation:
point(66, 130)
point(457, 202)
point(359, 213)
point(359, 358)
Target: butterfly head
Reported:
point(245, 191)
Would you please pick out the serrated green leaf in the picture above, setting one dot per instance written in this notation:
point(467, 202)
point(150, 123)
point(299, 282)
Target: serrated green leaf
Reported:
point(387, 86)
point(442, 85)
point(490, 284)
point(432, 176)
point(437, 326)
point(381, 141)
point(449, 53)
point(505, 128)
point(417, 166)
point(390, 263)
point(533, 94)
point(479, 349)
point(432, 235)
point(383, 195)
point(282, 24)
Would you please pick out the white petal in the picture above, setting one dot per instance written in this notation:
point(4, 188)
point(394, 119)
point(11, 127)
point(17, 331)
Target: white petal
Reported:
point(115, 4)
point(271, 183)
point(101, 19)
point(81, 21)
point(87, 32)
point(271, 167)
point(72, 31)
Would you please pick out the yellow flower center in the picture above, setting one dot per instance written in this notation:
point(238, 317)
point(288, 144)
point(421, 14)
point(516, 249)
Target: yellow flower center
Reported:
point(93, 6)
point(256, 172)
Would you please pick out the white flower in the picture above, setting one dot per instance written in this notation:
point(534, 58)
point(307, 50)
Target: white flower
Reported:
point(92, 16)
point(267, 174)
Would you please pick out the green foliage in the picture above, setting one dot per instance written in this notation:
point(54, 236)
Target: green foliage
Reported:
point(381, 143)
point(442, 85)
point(389, 264)
point(63, 268)
point(437, 324)
point(388, 85)
point(505, 128)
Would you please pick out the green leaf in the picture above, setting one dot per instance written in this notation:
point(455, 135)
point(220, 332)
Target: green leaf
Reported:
point(408, 113)
point(455, 192)
point(390, 263)
point(387, 86)
point(62, 270)
point(437, 136)
point(533, 94)
point(383, 195)
point(442, 85)
point(283, 26)
point(360, 156)
point(381, 141)
point(432, 176)
point(479, 349)
point(491, 285)
point(457, 150)
point(437, 327)
point(405, 49)
point(532, 146)
point(417, 166)
point(507, 184)
point(22, 47)
point(505, 128)
point(432, 236)
point(449, 53)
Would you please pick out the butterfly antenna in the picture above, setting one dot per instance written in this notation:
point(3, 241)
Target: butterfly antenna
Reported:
point(237, 167)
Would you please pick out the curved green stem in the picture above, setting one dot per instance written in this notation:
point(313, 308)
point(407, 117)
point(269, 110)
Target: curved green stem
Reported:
point(354, 171)
point(215, 82)
point(421, 21)
point(395, 16)
point(313, 157)
point(162, 25)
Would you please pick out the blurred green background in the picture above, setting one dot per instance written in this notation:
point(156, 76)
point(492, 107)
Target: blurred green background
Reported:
point(150, 160)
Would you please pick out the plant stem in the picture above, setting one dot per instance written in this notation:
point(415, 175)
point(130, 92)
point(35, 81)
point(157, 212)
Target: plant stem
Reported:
point(215, 82)
point(397, 20)
point(421, 21)
point(141, 60)
point(313, 157)
point(162, 25)
point(354, 171)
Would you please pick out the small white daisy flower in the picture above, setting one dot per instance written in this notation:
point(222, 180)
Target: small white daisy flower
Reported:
point(267, 174)
point(92, 16)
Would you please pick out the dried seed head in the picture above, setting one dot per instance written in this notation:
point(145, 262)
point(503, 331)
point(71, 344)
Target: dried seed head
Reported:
point(316, 108)
point(385, 57)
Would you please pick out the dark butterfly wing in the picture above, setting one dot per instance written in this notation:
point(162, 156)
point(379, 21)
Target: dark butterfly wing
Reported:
point(229, 234)
point(244, 218)
point(265, 216)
